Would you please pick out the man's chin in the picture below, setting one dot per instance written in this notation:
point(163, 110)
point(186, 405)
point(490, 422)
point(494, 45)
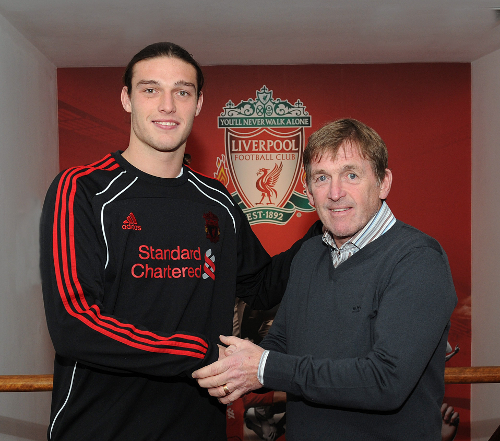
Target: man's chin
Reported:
point(340, 235)
point(167, 148)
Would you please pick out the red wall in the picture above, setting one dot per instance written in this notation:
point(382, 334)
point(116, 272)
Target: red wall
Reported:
point(422, 111)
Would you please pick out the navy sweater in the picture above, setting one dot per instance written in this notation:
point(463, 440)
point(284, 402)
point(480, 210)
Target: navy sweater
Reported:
point(360, 349)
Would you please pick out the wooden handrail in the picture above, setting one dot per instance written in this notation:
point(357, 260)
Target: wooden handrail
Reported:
point(25, 383)
point(469, 375)
point(452, 375)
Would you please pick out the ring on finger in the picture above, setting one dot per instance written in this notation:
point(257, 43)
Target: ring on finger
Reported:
point(226, 390)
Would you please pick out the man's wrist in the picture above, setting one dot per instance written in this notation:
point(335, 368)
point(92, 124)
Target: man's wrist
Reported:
point(262, 365)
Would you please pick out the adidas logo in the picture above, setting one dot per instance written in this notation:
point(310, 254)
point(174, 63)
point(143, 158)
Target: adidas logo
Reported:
point(131, 223)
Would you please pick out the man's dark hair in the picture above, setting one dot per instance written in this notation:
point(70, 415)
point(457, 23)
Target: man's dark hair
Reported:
point(162, 49)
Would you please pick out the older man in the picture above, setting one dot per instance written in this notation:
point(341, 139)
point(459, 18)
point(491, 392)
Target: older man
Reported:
point(360, 338)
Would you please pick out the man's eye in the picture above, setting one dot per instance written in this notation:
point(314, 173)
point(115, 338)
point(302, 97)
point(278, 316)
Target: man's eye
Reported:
point(322, 178)
point(149, 90)
point(352, 176)
point(183, 93)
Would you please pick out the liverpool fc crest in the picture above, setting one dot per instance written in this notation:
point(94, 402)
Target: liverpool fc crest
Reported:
point(212, 227)
point(264, 141)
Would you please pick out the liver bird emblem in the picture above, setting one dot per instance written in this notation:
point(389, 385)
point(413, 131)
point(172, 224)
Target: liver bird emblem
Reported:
point(266, 182)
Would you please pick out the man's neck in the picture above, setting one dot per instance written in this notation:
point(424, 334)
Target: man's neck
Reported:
point(155, 163)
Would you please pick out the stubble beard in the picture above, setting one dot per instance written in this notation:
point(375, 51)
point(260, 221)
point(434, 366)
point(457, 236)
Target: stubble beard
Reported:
point(149, 141)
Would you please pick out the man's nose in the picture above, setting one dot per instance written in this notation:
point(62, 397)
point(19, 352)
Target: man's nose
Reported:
point(167, 103)
point(336, 189)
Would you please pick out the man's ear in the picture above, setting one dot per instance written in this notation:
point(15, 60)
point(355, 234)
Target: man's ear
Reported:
point(127, 105)
point(385, 185)
point(199, 104)
point(309, 196)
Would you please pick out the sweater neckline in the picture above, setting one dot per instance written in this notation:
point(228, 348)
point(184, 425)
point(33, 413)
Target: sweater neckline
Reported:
point(364, 253)
point(166, 182)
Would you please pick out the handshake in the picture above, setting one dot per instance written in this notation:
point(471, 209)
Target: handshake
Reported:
point(235, 373)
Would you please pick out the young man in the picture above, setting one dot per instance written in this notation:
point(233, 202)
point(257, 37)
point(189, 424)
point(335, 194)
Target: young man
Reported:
point(141, 261)
point(359, 341)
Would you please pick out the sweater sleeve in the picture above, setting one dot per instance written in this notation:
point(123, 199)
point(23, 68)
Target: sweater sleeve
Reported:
point(262, 280)
point(72, 264)
point(411, 322)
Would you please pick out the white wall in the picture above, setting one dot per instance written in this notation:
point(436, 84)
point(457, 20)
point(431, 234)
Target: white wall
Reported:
point(485, 399)
point(28, 162)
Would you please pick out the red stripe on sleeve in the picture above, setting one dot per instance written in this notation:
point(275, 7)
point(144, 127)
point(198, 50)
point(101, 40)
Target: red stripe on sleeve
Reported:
point(66, 276)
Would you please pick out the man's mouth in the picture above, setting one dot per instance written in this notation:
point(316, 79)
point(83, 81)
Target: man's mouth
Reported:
point(337, 210)
point(165, 123)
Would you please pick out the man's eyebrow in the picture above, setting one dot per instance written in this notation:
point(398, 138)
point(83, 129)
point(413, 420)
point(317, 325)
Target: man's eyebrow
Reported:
point(148, 83)
point(319, 172)
point(157, 83)
point(185, 83)
point(351, 167)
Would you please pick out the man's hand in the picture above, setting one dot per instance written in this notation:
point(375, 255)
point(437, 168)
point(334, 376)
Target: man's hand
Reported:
point(236, 373)
point(222, 352)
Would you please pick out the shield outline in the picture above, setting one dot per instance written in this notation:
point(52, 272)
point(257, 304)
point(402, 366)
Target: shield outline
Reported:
point(250, 134)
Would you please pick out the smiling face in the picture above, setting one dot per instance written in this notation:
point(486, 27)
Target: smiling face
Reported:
point(346, 192)
point(163, 102)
